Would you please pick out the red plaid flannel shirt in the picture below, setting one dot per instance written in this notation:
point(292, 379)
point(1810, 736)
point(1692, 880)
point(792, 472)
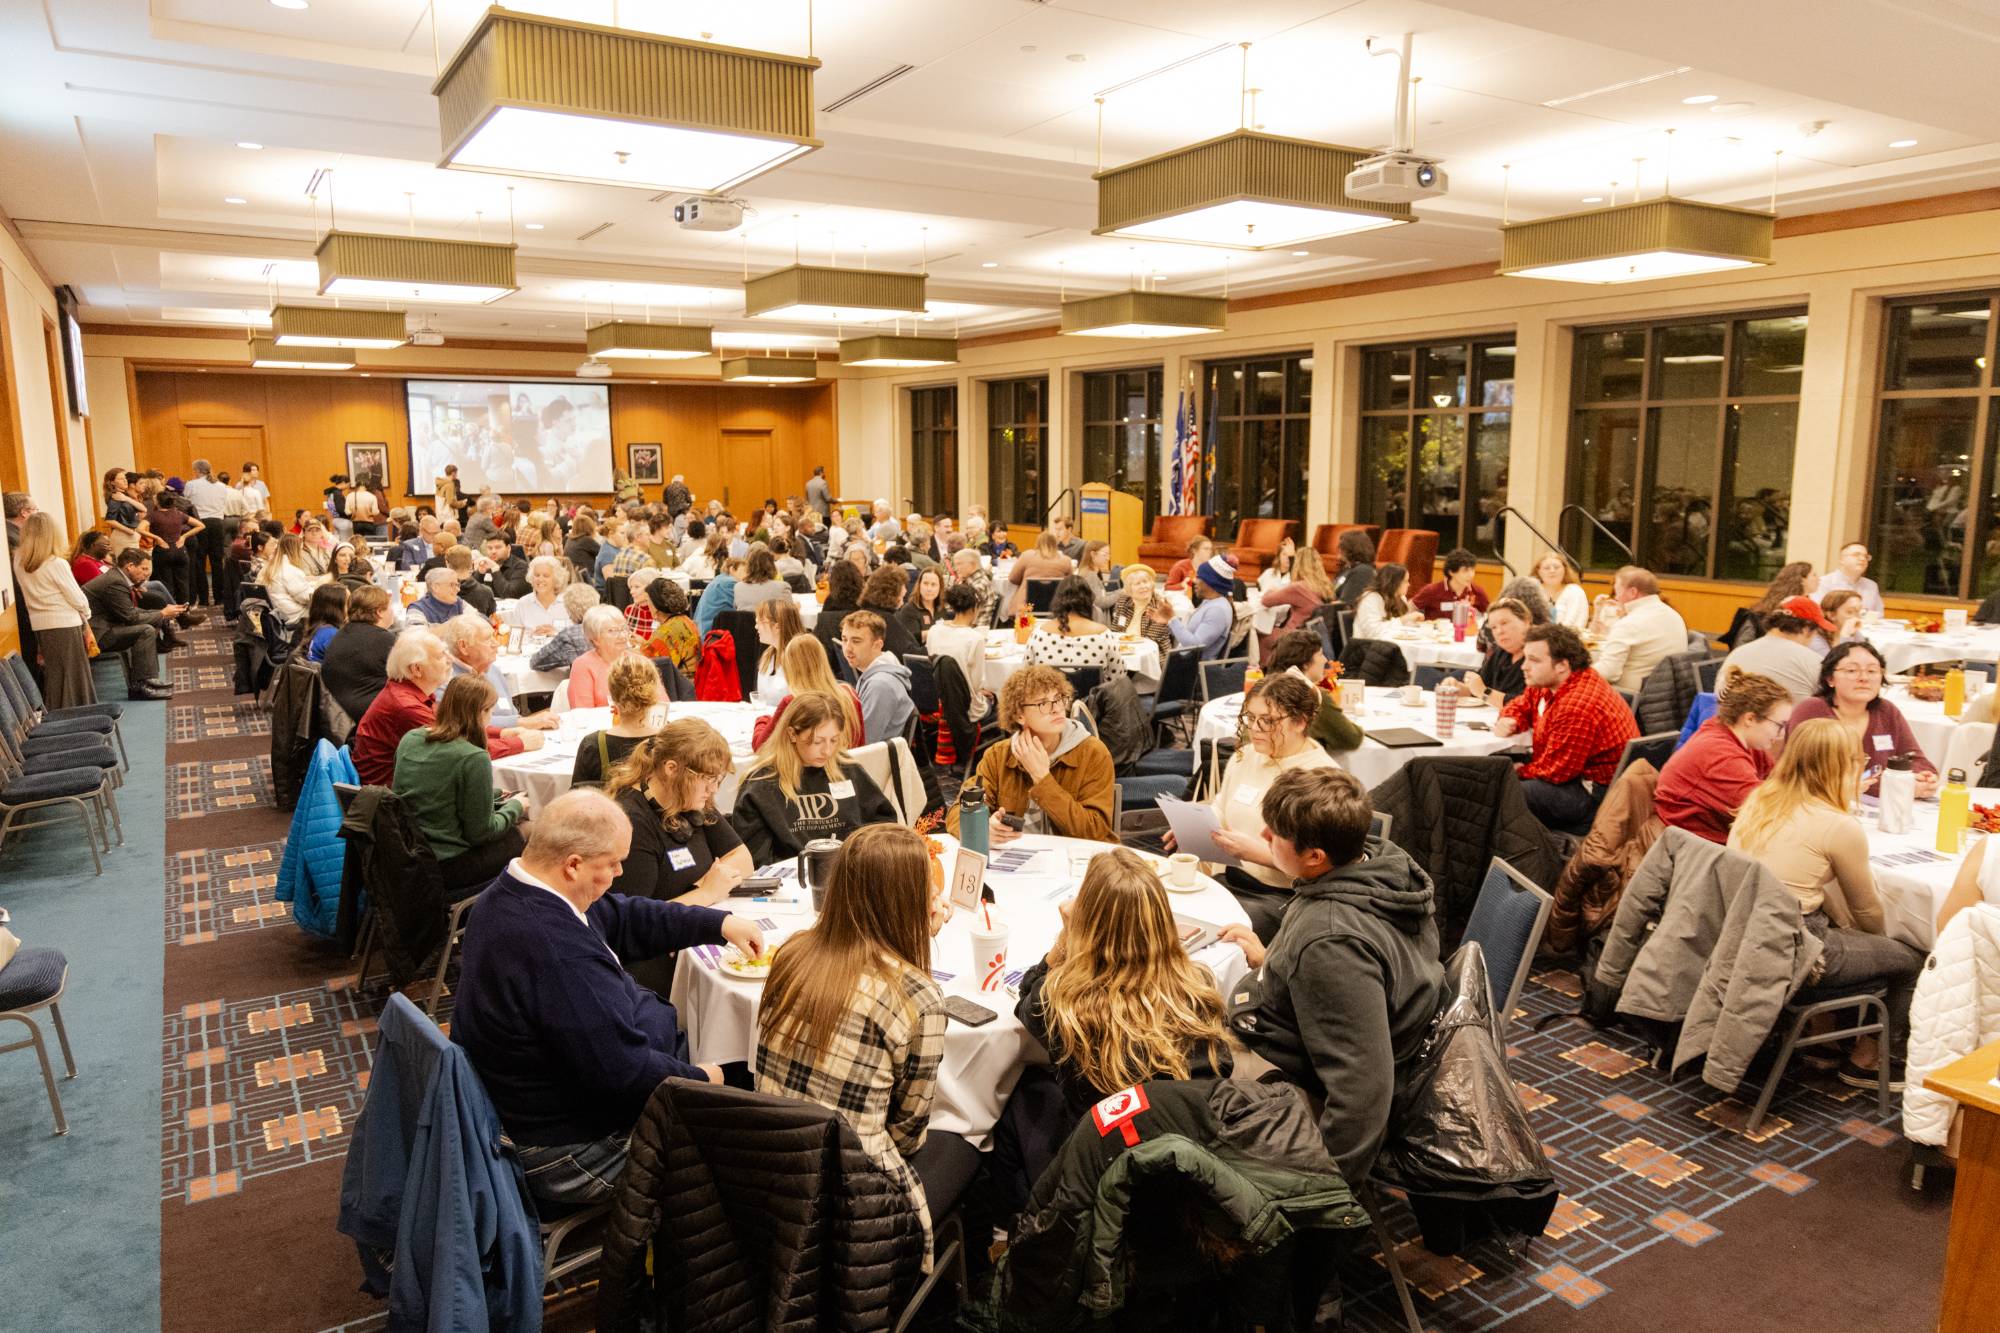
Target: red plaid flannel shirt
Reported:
point(1580, 729)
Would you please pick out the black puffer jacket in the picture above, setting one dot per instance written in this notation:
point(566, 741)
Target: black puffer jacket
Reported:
point(1375, 661)
point(303, 712)
point(1668, 694)
point(390, 866)
point(1453, 816)
point(769, 1217)
point(1110, 1237)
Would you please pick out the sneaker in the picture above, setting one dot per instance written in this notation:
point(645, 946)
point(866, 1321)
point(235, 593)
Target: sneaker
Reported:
point(1854, 1076)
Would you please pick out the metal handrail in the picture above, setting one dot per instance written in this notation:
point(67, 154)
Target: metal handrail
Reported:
point(1593, 521)
point(1527, 523)
point(1056, 503)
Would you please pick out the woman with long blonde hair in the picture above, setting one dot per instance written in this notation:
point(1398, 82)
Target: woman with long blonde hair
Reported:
point(778, 624)
point(289, 578)
point(1308, 590)
point(799, 787)
point(1797, 824)
point(809, 670)
point(852, 1019)
point(58, 611)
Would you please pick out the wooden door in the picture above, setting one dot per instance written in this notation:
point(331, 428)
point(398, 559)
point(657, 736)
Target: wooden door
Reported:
point(227, 449)
point(748, 469)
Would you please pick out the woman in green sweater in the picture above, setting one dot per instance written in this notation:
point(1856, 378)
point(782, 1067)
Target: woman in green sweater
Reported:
point(1300, 650)
point(444, 778)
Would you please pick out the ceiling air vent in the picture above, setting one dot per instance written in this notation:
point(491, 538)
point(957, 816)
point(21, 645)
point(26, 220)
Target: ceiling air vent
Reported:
point(876, 84)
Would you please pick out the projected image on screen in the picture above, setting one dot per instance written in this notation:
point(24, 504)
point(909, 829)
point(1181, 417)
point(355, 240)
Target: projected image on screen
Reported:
point(516, 438)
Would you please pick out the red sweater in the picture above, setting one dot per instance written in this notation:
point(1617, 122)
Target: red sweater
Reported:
point(397, 711)
point(1580, 730)
point(1707, 780)
point(1433, 598)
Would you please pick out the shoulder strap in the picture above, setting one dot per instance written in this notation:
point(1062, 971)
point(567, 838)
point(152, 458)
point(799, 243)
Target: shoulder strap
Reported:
point(603, 754)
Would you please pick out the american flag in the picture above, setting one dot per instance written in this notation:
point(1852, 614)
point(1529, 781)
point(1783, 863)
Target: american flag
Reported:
point(1177, 491)
point(1188, 471)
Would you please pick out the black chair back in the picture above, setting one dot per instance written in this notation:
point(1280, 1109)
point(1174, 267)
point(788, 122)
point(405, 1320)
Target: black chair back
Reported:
point(923, 682)
point(742, 626)
point(1180, 677)
point(1041, 594)
point(1430, 675)
point(1224, 676)
point(617, 591)
point(798, 583)
point(1082, 680)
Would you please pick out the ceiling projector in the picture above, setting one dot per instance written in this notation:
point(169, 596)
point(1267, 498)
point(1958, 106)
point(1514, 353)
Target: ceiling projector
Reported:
point(709, 213)
point(593, 369)
point(1397, 178)
point(425, 336)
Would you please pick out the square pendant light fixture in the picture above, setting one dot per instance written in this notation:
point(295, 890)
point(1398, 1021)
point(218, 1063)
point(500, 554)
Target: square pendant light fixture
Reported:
point(1637, 242)
point(267, 355)
point(326, 326)
point(366, 266)
point(829, 295)
point(770, 369)
point(650, 342)
point(1144, 315)
point(898, 349)
point(1243, 190)
point(530, 95)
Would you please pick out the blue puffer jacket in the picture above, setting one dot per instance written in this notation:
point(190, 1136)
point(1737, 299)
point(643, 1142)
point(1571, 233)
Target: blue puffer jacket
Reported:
point(309, 875)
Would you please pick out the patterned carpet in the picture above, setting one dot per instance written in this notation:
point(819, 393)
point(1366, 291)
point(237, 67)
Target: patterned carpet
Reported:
point(265, 1052)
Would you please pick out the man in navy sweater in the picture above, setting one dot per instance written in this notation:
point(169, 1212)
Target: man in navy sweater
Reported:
point(568, 1045)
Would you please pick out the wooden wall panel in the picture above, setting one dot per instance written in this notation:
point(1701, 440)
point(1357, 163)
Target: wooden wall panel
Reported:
point(308, 420)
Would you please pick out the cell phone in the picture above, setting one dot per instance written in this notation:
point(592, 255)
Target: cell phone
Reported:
point(967, 1012)
point(756, 886)
point(1015, 822)
point(1474, 725)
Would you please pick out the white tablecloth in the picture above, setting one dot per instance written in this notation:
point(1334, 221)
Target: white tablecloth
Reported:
point(1004, 657)
point(1902, 649)
point(1940, 735)
point(542, 775)
point(1913, 892)
point(1374, 763)
point(981, 1065)
point(1421, 647)
point(524, 679)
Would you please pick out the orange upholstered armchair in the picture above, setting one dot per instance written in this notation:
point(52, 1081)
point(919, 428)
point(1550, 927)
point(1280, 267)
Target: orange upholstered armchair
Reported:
point(1167, 543)
point(1257, 542)
point(1415, 549)
point(1326, 537)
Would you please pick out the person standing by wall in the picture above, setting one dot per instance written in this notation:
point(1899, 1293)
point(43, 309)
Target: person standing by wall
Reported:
point(206, 549)
point(818, 494)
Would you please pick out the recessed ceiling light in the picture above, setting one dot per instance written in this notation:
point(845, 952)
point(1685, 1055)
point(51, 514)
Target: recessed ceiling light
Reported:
point(1902, 143)
point(1729, 108)
point(989, 264)
point(290, 4)
point(235, 199)
point(1300, 254)
point(1593, 199)
point(1076, 57)
point(253, 147)
point(1699, 99)
point(532, 226)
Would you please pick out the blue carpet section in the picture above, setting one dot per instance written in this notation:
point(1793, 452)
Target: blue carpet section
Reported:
point(80, 1215)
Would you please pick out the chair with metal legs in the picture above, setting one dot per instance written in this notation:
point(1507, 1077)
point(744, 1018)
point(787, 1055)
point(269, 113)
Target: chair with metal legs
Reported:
point(33, 980)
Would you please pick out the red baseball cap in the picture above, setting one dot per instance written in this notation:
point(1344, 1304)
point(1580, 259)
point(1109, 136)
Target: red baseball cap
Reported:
point(1805, 608)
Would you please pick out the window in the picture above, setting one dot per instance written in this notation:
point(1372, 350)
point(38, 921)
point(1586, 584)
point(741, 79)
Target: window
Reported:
point(1936, 469)
point(1456, 402)
point(1681, 441)
point(934, 450)
point(1258, 415)
point(1017, 450)
point(1121, 433)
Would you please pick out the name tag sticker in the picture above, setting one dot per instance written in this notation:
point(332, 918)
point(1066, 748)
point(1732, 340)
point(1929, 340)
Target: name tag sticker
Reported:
point(680, 858)
point(1249, 795)
point(1883, 742)
point(840, 791)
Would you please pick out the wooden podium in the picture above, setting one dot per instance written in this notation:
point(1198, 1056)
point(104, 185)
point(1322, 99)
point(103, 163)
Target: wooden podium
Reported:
point(1971, 1278)
point(1112, 516)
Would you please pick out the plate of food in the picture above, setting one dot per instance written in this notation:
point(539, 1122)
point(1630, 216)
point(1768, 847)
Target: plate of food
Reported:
point(734, 962)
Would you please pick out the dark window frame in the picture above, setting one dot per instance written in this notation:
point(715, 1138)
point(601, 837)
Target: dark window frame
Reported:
point(1411, 413)
point(1003, 450)
point(934, 433)
point(1645, 405)
point(1153, 425)
point(1295, 388)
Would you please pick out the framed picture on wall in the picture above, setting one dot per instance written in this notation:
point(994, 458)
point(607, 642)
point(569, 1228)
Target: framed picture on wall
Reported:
point(368, 463)
point(644, 464)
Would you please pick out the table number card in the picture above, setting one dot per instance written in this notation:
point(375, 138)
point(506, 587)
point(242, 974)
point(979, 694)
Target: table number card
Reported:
point(968, 875)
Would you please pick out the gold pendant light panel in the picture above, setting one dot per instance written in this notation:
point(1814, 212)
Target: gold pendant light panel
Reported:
point(328, 326)
point(529, 95)
point(1144, 315)
point(1637, 242)
point(834, 295)
point(770, 369)
point(650, 342)
point(898, 350)
point(1243, 190)
point(267, 355)
point(414, 268)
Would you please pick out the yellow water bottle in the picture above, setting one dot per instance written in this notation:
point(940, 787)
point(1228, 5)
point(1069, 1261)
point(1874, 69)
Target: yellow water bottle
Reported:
point(1954, 812)
point(1954, 692)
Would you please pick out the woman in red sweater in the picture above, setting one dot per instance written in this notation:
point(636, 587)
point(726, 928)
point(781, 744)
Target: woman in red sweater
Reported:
point(1309, 590)
point(1709, 778)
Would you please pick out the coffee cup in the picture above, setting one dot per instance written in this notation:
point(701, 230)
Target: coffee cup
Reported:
point(1412, 696)
point(989, 952)
point(1181, 868)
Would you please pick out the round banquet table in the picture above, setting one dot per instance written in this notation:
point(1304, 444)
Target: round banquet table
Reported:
point(981, 1065)
point(1421, 646)
point(1911, 876)
point(539, 776)
point(1374, 762)
point(1141, 655)
point(1939, 735)
point(1903, 648)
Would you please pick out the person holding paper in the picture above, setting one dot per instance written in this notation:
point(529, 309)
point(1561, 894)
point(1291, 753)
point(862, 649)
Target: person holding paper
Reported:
point(1053, 776)
point(1277, 715)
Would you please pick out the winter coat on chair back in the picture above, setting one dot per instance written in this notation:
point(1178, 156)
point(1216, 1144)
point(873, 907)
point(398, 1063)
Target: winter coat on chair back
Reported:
point(1956, 1011)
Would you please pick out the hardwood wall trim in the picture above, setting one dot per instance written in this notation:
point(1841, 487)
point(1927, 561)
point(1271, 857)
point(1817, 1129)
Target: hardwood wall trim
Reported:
point(1401, 282)
point(12, 429)
point(1881, 215)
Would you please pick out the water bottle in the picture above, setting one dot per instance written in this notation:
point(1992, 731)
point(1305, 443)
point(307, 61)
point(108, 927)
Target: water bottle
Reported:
point(1954, 812)
point(1461, 613)
point(1447, 707)
point(1954, 692)
point(1898, 795)
point(974, 820)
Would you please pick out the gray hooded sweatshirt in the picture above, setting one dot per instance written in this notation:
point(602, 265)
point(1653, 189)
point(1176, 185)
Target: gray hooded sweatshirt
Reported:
point(884, 688)
point(1349, 989)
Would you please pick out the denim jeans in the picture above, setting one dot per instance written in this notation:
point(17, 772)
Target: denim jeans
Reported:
point(574, 1173)
point(1854, 957)
point(1566, 807)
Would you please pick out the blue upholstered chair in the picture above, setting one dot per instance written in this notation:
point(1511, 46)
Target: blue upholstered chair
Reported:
point(1507, 923)
point(33, 980)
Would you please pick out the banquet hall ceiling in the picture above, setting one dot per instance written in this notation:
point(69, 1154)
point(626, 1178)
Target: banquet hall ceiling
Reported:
point(129, 170)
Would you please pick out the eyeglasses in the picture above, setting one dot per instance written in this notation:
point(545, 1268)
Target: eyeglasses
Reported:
point(1052, 704)
point(1859, 672)
point(1261, 721)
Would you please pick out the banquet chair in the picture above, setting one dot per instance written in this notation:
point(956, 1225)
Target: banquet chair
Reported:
point(1430, 675)
point(1970, 742)
point(1040, 594)
point(1082, 680)
point(1812, 1003)
point(1223, 676)
point(84, 788)
point(33, 980)
point(559, 702)
point(893, 768)
point(37, 709)
point(1507, 921)
point(742, 626)
point(1175, 700)
point(1655, 749)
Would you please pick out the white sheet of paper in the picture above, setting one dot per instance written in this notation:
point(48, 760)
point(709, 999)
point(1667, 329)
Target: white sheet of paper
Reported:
point(1194, 825)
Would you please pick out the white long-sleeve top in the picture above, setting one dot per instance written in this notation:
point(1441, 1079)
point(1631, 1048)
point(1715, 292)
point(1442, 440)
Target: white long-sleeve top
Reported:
point(1371, 617)
point(53, 599)
point(291, 590)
